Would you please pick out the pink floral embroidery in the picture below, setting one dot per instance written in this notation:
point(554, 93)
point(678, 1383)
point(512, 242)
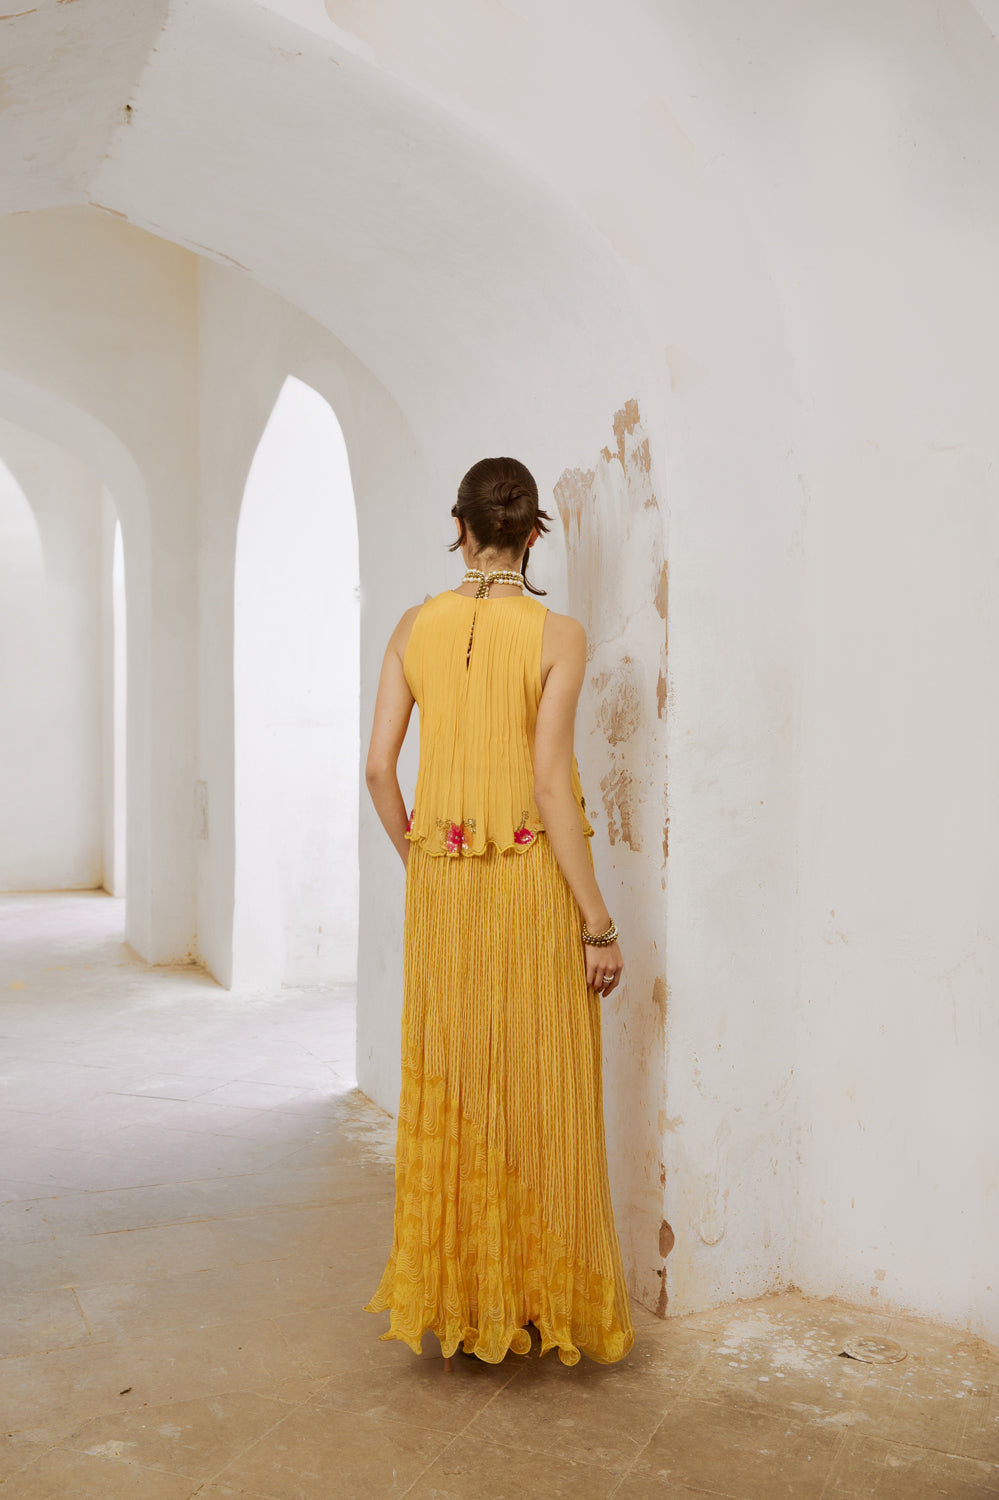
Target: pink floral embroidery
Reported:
point(523, 836)
point(409, 825)
point(454, 838)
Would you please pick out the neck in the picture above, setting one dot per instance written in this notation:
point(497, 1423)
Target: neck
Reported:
point(492, 562)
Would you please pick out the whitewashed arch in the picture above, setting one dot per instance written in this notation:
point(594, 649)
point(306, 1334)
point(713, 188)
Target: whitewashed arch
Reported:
point(296, 702)
point(91, 440)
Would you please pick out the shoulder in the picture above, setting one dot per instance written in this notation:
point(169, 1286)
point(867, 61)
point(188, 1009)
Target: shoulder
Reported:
point(400, 635)
point(564, 634)
point(408, 620)
point(563, 645)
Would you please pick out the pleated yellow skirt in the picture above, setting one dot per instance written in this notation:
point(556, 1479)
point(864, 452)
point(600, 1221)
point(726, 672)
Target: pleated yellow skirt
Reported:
point(502, 1210)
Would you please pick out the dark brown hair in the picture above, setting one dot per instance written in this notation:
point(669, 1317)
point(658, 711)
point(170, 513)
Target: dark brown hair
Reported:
point(498, 503)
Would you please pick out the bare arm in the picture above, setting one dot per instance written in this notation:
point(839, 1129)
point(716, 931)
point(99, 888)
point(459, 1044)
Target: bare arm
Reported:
point(393, 710)
point(553, 750)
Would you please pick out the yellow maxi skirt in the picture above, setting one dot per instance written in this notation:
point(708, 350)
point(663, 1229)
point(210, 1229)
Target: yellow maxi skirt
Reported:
point(502, 1204)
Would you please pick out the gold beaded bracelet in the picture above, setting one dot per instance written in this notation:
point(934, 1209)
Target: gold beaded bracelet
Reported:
point(604, 939)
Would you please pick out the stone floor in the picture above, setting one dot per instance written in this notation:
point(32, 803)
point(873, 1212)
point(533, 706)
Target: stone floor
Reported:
point(197, 1203)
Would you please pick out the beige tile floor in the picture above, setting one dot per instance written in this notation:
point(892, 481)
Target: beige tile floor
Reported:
point(198, 1201)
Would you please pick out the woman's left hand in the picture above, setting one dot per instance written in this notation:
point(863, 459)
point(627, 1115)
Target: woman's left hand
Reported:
point(603, 967)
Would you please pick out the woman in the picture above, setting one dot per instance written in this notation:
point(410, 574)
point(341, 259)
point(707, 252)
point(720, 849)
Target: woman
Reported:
point(503, 1214)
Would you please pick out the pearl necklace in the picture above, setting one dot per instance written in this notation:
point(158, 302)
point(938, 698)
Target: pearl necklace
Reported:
point(502, 575)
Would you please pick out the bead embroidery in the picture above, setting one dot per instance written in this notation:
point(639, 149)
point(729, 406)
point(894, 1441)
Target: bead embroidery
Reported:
point(458, 838)
point(452, 835)
point(523, 835)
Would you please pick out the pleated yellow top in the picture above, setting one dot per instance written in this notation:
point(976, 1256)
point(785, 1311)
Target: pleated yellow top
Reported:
point(474, 668)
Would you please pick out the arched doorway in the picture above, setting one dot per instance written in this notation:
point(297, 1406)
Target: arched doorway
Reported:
point(62, 823)
point(296, 703)
point(113, 685)
point(24, 683)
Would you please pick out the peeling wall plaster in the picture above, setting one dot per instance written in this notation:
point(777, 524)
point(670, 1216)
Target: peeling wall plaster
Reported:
point(615, 535)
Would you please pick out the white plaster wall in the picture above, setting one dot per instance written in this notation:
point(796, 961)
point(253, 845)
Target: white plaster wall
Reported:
point(50, 688)
point(896, 324)
point(858, 146)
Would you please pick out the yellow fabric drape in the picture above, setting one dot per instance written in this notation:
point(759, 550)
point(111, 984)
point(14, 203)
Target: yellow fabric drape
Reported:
point(503, 1214)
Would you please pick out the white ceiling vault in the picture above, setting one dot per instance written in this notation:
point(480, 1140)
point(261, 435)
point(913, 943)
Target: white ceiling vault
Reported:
point(68, 68)
point(262, 140)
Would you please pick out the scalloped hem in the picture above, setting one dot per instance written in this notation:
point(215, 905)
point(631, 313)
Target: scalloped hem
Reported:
point(517, 1341)
point(463, 853)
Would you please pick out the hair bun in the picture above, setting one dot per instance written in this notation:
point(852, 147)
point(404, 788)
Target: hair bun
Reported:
point(511, 492)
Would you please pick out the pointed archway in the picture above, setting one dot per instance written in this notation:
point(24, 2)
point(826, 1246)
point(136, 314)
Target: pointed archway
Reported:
point(296, 703)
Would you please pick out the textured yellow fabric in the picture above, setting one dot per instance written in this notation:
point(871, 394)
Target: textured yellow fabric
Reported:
point(502, 1211)
point(475, 785)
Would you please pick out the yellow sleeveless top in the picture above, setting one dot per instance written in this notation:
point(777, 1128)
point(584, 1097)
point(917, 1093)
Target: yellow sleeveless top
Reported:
point(478, 709)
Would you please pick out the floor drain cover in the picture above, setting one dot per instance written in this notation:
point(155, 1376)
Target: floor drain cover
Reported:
point(873, 1350)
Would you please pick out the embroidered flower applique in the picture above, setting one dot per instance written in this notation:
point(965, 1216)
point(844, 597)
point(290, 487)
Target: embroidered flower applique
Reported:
point(459, 838)
point(409, 825)
point(456, 838)
point(523, 834)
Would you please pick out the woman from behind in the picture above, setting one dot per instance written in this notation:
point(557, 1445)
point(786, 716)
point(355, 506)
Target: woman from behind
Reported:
point(503, 1215)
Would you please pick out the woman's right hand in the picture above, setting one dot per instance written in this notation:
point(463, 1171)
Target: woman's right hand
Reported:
point(603, 967)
